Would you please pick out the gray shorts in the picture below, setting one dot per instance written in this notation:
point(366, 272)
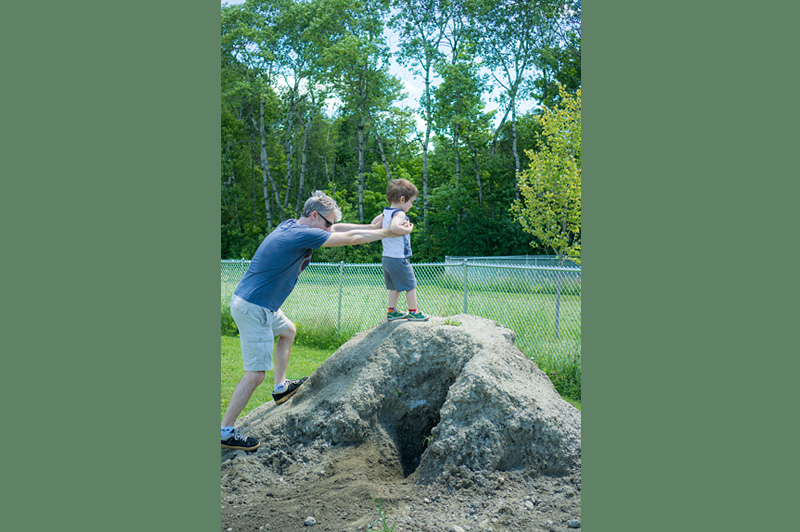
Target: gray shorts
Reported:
point(398, 274)
point(258, 328)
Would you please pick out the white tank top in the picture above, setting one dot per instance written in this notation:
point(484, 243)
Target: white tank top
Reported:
point(398, 247)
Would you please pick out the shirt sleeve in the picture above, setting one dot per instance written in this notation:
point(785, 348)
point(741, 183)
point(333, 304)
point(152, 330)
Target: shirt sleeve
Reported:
point(313, 238)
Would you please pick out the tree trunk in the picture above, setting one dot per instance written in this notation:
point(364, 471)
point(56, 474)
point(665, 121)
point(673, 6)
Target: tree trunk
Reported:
point(456, 131)
point(425, 176)
point(303, 164)
point(265, 171)
point(477, 172)
point(428, 120)
point(380, 148)
point(361, 169)
point(514, 144)
point(289, 146)
point(497, 131)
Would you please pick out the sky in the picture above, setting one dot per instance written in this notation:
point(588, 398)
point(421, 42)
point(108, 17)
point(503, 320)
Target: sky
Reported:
point(414, 85)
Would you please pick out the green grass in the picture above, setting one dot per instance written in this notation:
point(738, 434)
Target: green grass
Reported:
point(304, 360)
point(525, 305)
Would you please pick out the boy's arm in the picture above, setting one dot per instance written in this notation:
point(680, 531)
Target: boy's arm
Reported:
point(362, 236)
point(398, 221)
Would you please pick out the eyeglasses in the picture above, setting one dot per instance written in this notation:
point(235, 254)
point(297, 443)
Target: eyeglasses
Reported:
point(328, 223)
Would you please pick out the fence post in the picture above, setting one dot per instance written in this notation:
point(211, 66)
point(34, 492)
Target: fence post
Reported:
point(465, 285)
point(339, 318)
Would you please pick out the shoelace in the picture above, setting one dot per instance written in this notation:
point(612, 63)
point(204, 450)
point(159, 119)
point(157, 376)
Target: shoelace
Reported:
point(239, 436)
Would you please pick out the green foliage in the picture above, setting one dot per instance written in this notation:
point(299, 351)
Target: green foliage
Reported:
point(380, 524)
point(228, 324)
point(322, 336)
point(290, 57)
point(550, 188)
point(565, 374)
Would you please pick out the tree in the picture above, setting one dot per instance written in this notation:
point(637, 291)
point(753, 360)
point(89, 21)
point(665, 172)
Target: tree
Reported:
point(550, 206)
point(559, 56)
point(421, 25)
point(511, 36)
point(357, 61)
point(459, 108)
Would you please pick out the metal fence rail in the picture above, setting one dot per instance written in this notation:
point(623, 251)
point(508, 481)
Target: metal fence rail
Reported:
point(541, 304)
point(515, 260)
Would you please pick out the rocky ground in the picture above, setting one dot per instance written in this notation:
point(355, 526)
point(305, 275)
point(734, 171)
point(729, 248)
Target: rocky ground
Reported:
point(438, 426)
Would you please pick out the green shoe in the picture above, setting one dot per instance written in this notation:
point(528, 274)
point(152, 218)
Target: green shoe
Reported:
point(417, 316)
point(395, 315)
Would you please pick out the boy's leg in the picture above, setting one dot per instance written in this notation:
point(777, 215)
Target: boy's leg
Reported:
point(392, 313)
point(414, 314)
point(411, 299)
point(394, 295)
point(241, 394)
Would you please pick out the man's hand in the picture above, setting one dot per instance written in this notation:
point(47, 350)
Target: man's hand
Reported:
point(377, 222)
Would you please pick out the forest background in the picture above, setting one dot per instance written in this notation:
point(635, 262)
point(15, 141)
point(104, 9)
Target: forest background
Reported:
point(309, 102)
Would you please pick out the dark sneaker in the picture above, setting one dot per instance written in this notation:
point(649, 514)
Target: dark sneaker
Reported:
point(236, 440)
point(417, 316)
point(395, 315)
point(291, 387)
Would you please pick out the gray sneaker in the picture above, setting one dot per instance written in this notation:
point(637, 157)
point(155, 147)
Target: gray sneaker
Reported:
point(236, 440)
point(291, 387)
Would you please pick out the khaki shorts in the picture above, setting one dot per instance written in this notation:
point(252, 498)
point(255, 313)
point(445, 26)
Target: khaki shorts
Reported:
point(258, 328)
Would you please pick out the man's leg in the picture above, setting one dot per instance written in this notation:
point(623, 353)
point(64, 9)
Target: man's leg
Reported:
point(241, 394)
point(284, 389)
point(281, 354)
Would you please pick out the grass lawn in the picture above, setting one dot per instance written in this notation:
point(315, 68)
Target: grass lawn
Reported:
point(304, 360)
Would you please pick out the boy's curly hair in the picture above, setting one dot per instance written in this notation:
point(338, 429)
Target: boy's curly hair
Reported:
point(400, 187)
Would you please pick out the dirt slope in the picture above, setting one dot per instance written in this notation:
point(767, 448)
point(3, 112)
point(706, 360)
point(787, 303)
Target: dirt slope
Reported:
point(448, 425)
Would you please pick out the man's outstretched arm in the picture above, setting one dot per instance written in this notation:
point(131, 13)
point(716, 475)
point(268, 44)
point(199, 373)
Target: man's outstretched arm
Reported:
point(362, 236)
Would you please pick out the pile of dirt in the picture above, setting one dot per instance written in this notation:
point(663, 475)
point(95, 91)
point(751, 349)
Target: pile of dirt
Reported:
point(445, 422)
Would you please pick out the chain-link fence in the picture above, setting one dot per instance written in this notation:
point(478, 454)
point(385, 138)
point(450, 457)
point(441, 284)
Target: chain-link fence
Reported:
point(515, 260)
point(542, 305)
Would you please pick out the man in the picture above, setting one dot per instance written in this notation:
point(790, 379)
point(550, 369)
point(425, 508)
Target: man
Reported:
point(270, 278)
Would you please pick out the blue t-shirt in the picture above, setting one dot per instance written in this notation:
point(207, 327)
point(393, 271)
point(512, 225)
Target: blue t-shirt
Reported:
point(277, 264)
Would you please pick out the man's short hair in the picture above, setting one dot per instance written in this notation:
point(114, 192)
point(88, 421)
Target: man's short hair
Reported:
point(400, 187)
point(323, 204)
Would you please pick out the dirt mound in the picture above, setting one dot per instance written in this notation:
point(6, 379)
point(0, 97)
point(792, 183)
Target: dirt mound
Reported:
point(449, 404)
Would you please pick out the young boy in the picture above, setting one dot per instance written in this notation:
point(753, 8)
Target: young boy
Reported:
point(397, 271)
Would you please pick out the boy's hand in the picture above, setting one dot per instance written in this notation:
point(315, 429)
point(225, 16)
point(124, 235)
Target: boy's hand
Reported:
point(377, 222)
point(403, 229)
